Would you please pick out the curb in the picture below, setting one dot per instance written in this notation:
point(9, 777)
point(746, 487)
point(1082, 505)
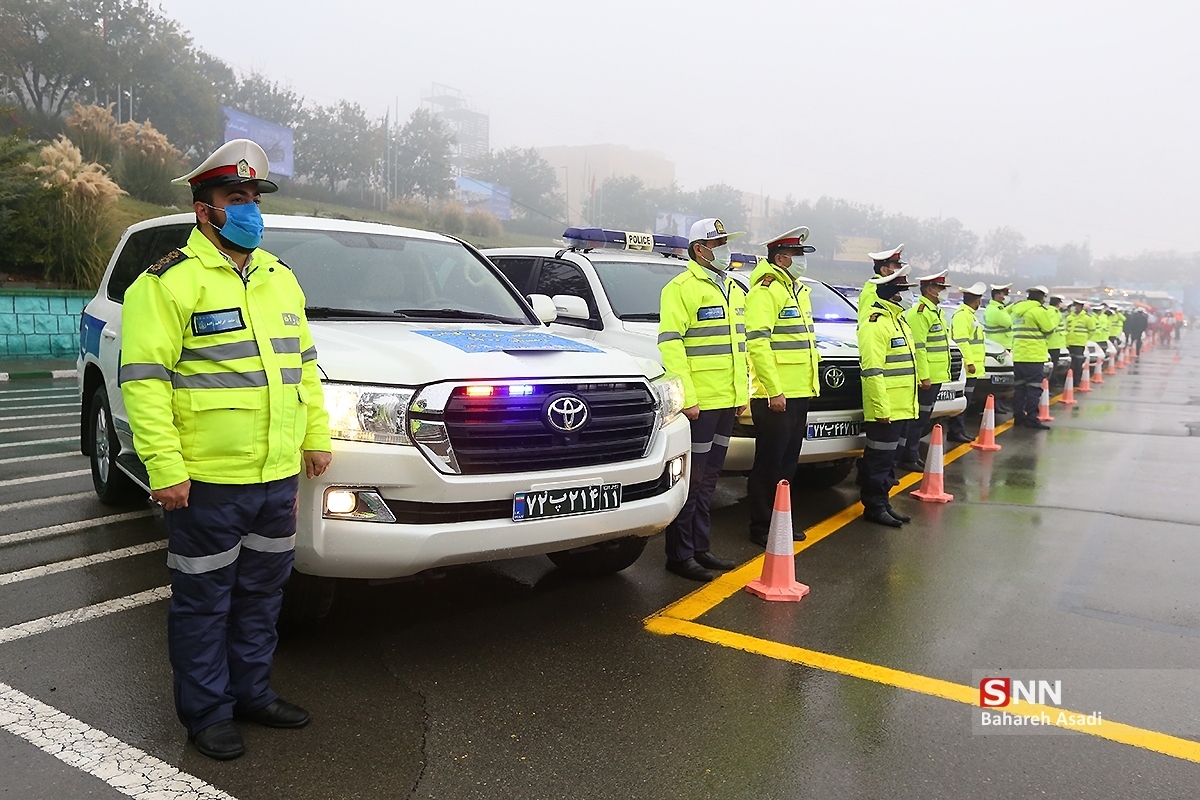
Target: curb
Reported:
point(35, 374)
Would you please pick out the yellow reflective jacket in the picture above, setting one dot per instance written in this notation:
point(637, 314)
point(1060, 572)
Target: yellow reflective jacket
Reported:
point(931, 341)
point(867, 298)
point(1080, 327)
point(780, 338)
point(966, 330)
point(702, 338)
point(1057, 338)
point(888, 364)
point(998, 324)
point(219, 376)
point(1032, 323)
point(1117, 326)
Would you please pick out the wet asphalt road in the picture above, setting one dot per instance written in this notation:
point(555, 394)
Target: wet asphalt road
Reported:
point(1072, 550)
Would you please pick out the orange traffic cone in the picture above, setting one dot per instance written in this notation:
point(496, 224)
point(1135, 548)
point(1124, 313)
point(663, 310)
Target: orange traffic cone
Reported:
point(1068, 398)
point(932, 489)
point(1111, 363)
point(1123, 354)
point(778, 581)
point(1098, 373)
point(1044, 403)
point(1085, 385)
point(987, 429)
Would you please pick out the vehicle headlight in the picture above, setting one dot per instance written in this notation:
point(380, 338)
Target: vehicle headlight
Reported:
point(368, 413)
point(670, 398)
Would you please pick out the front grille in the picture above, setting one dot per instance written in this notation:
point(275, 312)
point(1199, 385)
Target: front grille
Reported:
point(504, 434)
point(409, 512)
point(847, 396)
point(955, 364)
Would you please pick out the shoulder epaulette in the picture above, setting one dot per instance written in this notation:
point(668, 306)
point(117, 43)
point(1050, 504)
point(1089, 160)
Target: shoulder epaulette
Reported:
point(920, 309)
point(875, 317)
point(282, 263)
point(766, 280)
point(166, 262)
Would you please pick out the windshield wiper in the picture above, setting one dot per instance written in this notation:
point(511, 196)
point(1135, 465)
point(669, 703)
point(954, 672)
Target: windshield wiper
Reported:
point(456, 313)
point(651, 317)
point(326, 312)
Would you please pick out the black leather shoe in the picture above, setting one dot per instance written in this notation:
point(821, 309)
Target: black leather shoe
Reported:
point(912, 466)
point(955, 439)
point(761, 541)
point(882, 518)
point(894, 514)
point(1037, 425)
point(707, 559)
point(278, 714)
point(221, 740)
point(691, 570)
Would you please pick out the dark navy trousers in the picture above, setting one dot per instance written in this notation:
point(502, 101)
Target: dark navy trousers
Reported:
point(230, 552)
point(910, 440)
point(688, 533)
point(877, 467)
point(778, 439)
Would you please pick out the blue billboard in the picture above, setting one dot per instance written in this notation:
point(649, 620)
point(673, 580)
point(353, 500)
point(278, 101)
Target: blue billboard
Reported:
point(276, 140)
point(483, 196)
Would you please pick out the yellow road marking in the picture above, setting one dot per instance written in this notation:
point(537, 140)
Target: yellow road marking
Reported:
point(959, 693)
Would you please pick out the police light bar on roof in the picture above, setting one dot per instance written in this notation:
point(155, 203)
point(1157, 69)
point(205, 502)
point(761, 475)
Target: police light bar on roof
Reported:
point(602, 238)
point(743, 259)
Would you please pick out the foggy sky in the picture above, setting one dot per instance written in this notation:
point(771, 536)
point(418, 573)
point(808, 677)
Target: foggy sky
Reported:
point(1066, 120)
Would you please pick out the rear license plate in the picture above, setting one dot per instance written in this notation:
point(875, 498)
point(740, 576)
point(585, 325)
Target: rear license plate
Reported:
point(833, 430)
point(945, 394)
point(1002, 379)
point(566, 502)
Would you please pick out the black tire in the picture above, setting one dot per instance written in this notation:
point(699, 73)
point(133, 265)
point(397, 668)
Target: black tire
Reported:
point(112, 486)
point(307, 600)
point(600, 559)
point(822, 474)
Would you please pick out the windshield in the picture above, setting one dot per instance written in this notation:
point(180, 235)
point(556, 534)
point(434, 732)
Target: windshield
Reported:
point(380, 274)
point(829, 306)
point(633, 287)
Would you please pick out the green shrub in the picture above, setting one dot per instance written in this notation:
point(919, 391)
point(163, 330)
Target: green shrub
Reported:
point(483, 225)
point(148, 163)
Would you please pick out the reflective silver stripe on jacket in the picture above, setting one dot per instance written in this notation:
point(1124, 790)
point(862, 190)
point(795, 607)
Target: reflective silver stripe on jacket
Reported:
point(740, 328)
point(741, 347)
point(289, 344)
point(291, 375)
point(710, 349)
point(871, 373)
point(791, 329)
point(266, 544)
point(701, 447)
point(896, 373)
point(143, 372)
point(720, 440)
point(898, 358)
point(707, 330)
point(309, 355)
point(940, 348)
point(198, 565)
point(763, 334)
point(669, 336)
point(802, 344)
point(221, 352)
point(223, 380)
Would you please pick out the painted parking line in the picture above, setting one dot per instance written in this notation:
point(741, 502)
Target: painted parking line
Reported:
point(46, 389)
point(678, 619)
point(77, 615)
point(132, 772)
point(39, 427)
point(43, 457)
point(43, 405)
point(45, 501)
point(58, 440)
point(54, 476)
point(57, 567)
point(71, 527)
point(36, 416)
point(968, 695)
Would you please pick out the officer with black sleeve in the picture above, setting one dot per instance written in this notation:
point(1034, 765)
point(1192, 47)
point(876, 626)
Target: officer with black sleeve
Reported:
point(219, 377)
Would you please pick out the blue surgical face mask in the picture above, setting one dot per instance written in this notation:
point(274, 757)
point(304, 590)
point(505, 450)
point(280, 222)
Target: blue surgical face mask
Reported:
point(798, 268)
point(243, 225)
point(721, 257)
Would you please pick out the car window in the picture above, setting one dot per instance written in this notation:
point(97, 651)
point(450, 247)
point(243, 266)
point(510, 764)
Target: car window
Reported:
point(383, 273)
point(140, 251)
point(517, 270)
point(563, 277)
point(633, 287)
point(829, 306)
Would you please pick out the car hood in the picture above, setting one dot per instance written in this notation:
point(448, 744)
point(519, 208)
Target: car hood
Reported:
point(404, 354)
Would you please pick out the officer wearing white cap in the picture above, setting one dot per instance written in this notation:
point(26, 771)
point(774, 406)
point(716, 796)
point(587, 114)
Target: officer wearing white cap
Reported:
point(219, 377)
point(966, 331)
point(998, 326)
point(888, 373)
point(782, 349)
point(1056, 342)
point(1032, 324)
point(1079, 330)
point(885, 263)
point(931, 342)
point(702, 338)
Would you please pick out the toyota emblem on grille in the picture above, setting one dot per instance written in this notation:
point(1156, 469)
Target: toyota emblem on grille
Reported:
point(835, 378)
point(566, 413)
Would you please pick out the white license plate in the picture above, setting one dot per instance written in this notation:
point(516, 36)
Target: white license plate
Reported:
point(833, 430)
point(1002, 379)
point(566, 502)
point(945, 394)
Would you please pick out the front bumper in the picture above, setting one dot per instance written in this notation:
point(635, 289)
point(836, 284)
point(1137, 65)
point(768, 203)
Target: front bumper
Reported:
point(345, 548)
point(834, 448)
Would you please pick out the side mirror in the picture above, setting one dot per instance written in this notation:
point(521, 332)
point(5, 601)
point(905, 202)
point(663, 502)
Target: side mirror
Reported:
point(544, 308)
point(571, 306)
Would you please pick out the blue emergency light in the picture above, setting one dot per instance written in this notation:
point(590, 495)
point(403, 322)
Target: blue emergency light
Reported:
point(743, 259)
point(604, 239)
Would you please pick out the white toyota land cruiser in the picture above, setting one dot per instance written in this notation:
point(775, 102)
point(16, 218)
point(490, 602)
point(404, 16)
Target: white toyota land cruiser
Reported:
point(463, 430)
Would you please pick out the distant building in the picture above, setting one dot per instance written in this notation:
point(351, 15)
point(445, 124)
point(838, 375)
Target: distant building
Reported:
point(583, 169)
point(470, 127)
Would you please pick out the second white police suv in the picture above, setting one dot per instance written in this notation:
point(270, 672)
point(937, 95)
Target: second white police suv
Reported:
point(463, 430)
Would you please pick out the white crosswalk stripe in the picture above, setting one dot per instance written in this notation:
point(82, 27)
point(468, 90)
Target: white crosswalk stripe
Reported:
point(71, 527)
point(57, 567)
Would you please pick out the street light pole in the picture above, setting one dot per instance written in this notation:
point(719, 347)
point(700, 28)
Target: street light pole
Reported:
point(567, 192)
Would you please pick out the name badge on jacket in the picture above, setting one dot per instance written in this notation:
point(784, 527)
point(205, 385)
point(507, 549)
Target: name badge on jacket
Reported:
point(899, 341)
point(791, 312)
point(223, 321)
point(710, 312)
